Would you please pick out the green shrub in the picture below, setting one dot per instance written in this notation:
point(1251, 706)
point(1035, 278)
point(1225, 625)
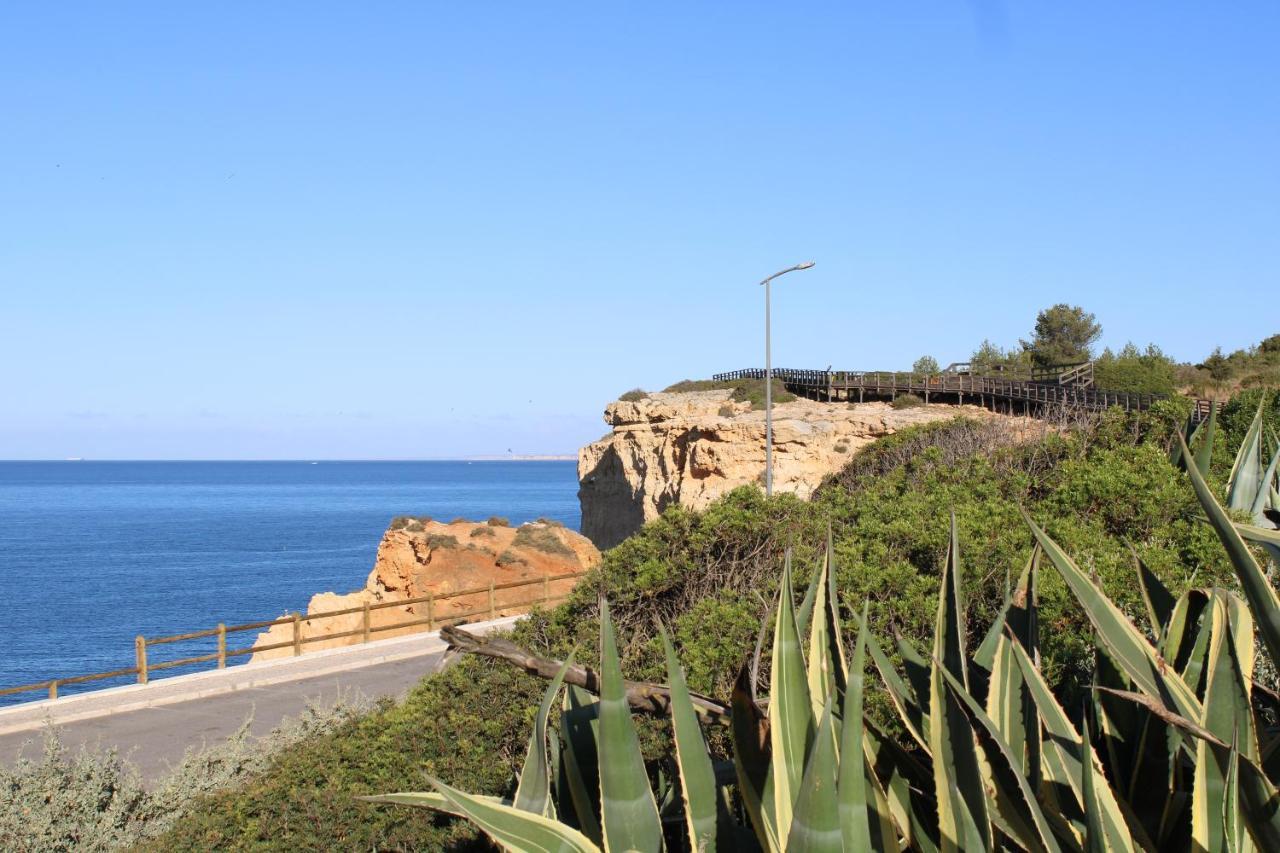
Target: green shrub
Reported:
point(726, 411)
point(510, 558)
point(469, 722)
point(549, 522)
point(442, 540)
point(498, 521)
point(1147, 371)
point(687, 385)
point(96, 800)
point(907, 401)
point(540, 538)
point(400, 522)
point(633, 395)
point(460, 520)
point(482, 531)
point(414, 527)
point(752, 391)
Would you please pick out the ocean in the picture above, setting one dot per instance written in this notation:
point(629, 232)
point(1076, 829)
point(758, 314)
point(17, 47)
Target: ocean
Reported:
point(94, 553)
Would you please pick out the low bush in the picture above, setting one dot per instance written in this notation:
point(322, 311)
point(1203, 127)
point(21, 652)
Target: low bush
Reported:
point(907, 401)
point(633, 395)
point(510, 558)
point(498, 521)
point(460, 520)
point(540, 538)
point(442, 540)
point(726, 411)
point(96, 800)
point(752, 391)
point(482, 531)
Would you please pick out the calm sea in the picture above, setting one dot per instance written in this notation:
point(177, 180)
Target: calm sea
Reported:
point(94, 553)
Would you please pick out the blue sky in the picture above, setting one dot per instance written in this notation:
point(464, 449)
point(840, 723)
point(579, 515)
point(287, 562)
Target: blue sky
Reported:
point(310, 230)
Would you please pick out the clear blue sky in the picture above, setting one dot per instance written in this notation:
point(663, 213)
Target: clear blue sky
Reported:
point(324, 230)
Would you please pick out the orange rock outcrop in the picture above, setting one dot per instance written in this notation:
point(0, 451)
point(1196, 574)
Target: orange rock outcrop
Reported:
point(432, 558)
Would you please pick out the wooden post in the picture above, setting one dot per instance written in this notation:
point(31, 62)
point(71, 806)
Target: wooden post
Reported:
point(297, 633)
point(431, 616)
point(492, 610)
point(546, 588)
point(53, 689)
point(365, 624)
point(222, 646)
point(140, 653)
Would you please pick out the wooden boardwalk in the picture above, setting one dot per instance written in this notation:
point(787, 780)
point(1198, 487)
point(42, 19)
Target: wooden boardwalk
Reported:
point(1032, 392)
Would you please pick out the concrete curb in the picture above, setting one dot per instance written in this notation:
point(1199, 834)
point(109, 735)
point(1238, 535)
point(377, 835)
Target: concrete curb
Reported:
point(182, 688)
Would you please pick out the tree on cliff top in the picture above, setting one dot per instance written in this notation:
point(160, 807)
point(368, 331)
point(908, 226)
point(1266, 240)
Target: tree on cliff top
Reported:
point(1064, 334)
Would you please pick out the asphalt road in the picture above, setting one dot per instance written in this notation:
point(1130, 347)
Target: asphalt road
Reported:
point(156, 738)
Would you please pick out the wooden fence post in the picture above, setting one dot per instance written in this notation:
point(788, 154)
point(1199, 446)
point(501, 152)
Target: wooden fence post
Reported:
point(365, 625)
point(546, 588)
point(431, 611)
point(140, 652)
point(222, 646)
point(53, 689)
point(297, 633)
point(491, 607)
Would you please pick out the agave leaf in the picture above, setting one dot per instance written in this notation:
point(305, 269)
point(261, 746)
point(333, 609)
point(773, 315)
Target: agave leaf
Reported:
point(1228, 715)
point(1258, 592)
point(835, 653)
point(857, 800)
point(907, 702)
point(1263, 498)
point(1246, 471)
point(533, 794)
point(907, 786)
point(431, 800)
point(513, 828)
point(1068, 752)
point(815, 825)
point(697, 778)
point(958, 785)
point(750, 731)
point(790, 712)
point(1004, 704)
point(1014, 801)
point(1105, 829)
point(1155, 595)
point(820, 675)
point(579, 736)
point(805, 611)
point(1188, 433)
point(629, 813)
point(1204, 453)
point(1258, 797)
point(1261, 535)
point(1122, 641)
point(1178, 637)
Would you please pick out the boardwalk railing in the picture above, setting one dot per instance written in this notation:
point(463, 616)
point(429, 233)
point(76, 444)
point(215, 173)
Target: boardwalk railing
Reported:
point(144, 667)
point(1059, 385)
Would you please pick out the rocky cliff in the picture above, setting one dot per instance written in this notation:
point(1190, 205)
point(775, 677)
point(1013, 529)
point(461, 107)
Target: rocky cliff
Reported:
point(691, 448)
point(423, 557)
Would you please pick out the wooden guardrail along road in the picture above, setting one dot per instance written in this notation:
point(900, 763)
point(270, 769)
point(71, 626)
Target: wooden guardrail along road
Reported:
point(1039, 390)
point(144, 666)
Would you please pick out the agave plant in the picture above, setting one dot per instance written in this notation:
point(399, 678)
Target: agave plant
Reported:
point(1251, 486)
point(1176, 748)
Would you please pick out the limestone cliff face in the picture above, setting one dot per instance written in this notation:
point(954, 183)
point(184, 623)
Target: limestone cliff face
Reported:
point(433, 558)
point(691, 448)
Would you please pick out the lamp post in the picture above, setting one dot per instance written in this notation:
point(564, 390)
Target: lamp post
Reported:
point(768, 382)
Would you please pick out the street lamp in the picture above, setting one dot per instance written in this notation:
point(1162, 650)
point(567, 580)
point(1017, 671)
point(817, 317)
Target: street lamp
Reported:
point(768, 382)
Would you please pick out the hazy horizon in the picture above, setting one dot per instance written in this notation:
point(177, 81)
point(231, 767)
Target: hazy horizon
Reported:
point(324, 231)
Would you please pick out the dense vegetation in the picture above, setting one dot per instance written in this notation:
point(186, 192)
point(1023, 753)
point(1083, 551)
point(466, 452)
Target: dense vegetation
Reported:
point(709, 576)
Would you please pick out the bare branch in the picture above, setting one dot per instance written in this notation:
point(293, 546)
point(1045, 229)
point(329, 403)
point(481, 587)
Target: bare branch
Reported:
point(641, 695)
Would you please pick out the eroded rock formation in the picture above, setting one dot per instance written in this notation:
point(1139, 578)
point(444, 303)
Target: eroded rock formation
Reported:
point(690, 448)
point(433, 558)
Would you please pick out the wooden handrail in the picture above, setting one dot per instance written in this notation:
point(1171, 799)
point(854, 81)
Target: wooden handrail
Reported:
point(143, 668)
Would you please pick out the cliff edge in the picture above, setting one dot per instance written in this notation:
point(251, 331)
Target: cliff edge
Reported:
point(692, 447)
